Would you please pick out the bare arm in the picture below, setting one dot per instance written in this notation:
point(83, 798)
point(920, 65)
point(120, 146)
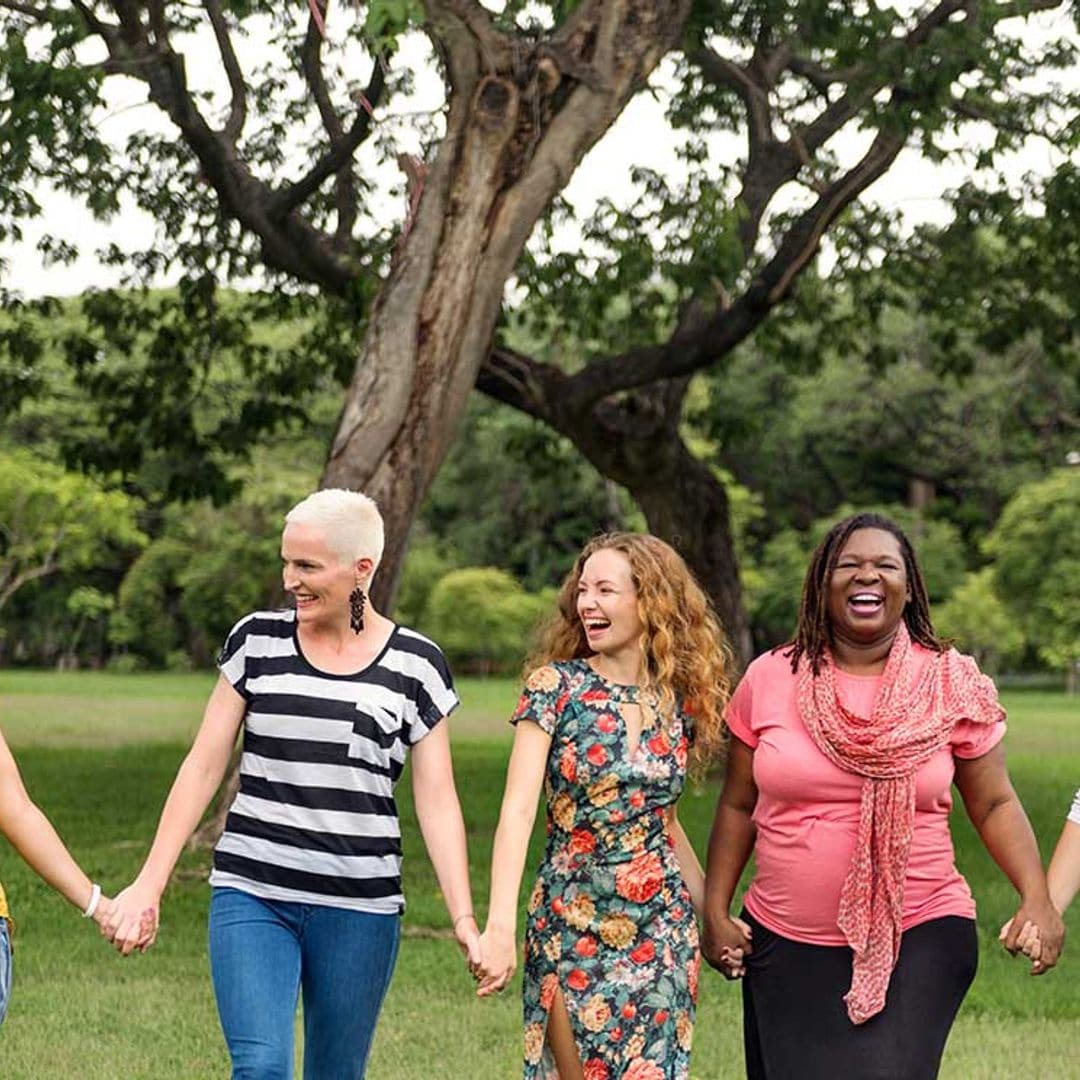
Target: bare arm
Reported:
point(134, 919)
point(1063, 877)
point(524, 779)
point(442, 825)
point(730, 845)
point(689, 864)
point(995, 811)
point(34, 838)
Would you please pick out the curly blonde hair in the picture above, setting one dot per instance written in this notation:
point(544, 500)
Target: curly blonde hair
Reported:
point(685, 654)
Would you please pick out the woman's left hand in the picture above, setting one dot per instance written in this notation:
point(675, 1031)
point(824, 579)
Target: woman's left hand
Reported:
point(1036, 930)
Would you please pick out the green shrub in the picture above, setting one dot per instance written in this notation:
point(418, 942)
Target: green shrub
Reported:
point(425, 563)
point(482, 618)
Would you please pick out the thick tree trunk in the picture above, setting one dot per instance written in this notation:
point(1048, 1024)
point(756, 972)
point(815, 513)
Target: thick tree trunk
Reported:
point(687, 505)
point(637, 443)
point(518, 125)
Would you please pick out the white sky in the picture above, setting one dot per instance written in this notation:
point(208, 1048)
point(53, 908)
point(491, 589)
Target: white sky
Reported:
point(641, 137)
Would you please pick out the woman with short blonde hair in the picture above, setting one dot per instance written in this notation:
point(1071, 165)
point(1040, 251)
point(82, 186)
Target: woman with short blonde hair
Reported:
point(332, 698)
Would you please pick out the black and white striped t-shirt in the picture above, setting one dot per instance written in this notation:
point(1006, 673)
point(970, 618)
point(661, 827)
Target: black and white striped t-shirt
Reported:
point(315, 820)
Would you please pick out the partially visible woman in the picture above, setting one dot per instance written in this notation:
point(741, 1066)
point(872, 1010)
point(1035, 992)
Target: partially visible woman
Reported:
point(1063, 883)
point(632, 682)
point(34, 838)
point(1063, 877)
point(307, 896)
point(846, 743)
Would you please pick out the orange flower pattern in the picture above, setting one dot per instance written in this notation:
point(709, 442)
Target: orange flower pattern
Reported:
point(610, 922)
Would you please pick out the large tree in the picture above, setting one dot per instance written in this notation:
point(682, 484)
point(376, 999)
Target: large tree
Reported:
point(529, 90)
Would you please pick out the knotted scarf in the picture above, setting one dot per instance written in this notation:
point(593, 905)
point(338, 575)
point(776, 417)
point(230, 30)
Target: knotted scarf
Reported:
point(914, 714)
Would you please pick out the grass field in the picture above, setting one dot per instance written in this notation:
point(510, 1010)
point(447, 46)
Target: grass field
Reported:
point(98, 753)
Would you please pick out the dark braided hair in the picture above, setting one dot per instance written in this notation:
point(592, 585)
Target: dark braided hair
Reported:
point(813, 632)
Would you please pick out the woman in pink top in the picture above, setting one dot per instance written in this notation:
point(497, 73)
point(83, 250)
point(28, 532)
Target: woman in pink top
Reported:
point(846, 743)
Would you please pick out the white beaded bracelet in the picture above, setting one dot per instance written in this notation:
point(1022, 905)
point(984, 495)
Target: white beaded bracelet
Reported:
point(95, 898)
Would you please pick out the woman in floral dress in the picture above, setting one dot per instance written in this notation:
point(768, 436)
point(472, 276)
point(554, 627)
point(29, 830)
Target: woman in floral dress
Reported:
point(632, 682)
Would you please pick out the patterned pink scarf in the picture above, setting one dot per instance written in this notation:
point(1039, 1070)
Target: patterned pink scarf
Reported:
point(915, 711)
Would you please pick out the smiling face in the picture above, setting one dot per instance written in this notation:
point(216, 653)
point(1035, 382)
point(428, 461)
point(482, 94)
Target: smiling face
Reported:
point(319, 582)
point(607, 603)
point(868, 588)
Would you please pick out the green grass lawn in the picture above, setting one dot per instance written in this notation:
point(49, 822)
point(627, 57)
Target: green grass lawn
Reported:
point(98, 753)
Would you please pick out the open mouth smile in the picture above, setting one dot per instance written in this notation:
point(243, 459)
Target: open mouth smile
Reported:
point(866, 603)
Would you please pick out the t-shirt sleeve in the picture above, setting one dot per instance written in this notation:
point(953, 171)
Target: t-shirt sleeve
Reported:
point(435, 696)
point(739, 712)
point(970, 740)
point(543, 698)
point(1074, 810)
point(232, 658)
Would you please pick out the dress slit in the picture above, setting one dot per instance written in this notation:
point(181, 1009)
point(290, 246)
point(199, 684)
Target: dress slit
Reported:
point(549, 1069)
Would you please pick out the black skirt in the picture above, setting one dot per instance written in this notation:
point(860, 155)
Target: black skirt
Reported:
point(795, 1023)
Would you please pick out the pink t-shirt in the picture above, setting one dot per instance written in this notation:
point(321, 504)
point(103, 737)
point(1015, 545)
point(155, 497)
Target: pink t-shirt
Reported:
point(807, 812)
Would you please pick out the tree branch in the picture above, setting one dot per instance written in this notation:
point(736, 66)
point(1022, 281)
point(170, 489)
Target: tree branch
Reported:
point(13, 581)
point(39, 13)
point(106, 31)
point(289, 243)
point(515, 379)
point(158, 22)
point(821, 79)
point(496, 48)
point(345, 196)
point(723, 72)
point(339, 154)
point(687, 351)
point(311, 67)
point(234, 125)
point(992, 116)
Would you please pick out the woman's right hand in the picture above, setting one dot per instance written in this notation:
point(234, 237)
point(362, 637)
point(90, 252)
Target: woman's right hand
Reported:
point(498, 961)
point(725, 943)
point(133, 921)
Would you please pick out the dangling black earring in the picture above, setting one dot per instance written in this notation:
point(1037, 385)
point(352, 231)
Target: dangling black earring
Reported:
point(356, 610)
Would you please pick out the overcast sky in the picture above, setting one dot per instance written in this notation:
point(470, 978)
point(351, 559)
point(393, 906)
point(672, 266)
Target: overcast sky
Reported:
point(640, 137)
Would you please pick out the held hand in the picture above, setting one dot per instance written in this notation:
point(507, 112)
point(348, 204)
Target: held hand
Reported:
point(133, 921)
point(725, 943)
point(1036, 930)
point(498, 961)
point(467, 935)
point(103, 912)
point(1028, 940)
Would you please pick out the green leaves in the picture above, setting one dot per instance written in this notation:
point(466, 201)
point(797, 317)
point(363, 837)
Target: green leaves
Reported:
point(1036, 548)
point(387, 20)
point(170, 389)
point(53, 521)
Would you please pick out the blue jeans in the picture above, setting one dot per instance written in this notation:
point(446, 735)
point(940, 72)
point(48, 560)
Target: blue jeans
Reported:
point(5, 968)
point(265, 953)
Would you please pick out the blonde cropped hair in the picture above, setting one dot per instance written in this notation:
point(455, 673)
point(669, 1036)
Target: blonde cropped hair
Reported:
point(350, 521)
point(685, 656)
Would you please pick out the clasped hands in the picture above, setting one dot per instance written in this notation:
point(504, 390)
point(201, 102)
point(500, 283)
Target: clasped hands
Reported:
point(491, 956)
point(129, 921)
point(726, 942)
point(1038, 932)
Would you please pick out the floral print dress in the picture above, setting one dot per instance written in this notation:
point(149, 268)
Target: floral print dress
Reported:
point(610, 921)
